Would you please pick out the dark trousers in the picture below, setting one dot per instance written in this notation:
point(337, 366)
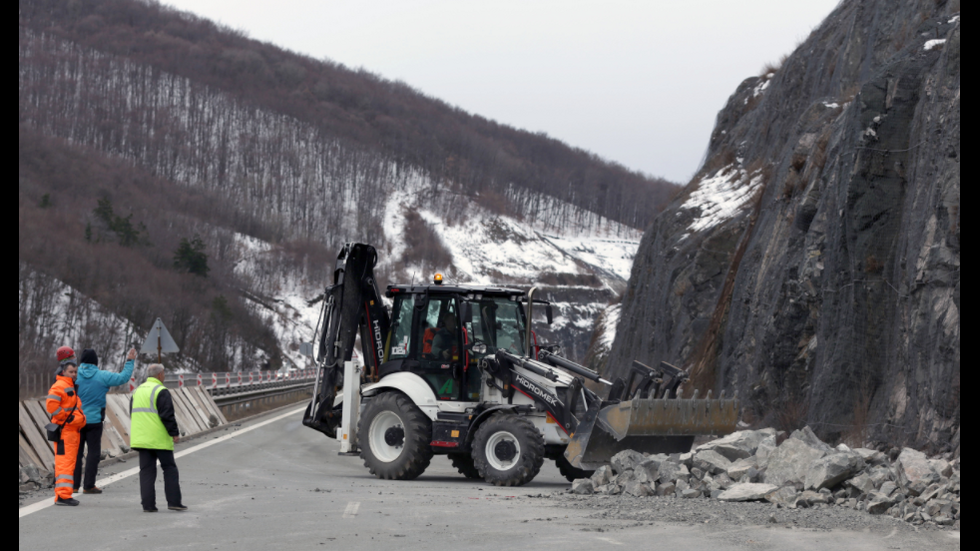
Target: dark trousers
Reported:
point(90, 436)
point(148, 477)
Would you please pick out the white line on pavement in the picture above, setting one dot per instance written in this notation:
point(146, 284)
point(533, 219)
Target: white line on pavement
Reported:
point(35, 507)
point(351, 510)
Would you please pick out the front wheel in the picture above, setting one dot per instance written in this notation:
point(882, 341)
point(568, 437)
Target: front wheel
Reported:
point(394, 437)
point(508, 450)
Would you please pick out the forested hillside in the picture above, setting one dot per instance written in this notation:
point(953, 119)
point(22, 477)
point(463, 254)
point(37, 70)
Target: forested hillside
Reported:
point(362, 109)
point(173, 168)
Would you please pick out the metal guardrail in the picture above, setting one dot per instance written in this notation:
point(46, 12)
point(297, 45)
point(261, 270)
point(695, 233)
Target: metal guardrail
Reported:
point(236, 379)
point(228, 388)
point(218, 384)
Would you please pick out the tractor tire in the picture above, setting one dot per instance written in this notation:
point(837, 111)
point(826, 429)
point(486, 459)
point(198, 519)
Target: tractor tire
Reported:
point(394, 437)
point(463, 462)
point(568, 471)
point(508, 450)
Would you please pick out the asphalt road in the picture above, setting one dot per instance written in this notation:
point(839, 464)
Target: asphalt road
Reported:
point(283, 486)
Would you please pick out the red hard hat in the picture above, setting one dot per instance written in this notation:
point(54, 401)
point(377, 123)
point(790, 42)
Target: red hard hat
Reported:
point(65, 352)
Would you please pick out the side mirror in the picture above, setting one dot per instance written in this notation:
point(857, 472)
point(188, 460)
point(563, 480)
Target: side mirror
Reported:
point(547, 312)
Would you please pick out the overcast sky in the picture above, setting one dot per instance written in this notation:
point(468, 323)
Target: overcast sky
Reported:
point(636, 82)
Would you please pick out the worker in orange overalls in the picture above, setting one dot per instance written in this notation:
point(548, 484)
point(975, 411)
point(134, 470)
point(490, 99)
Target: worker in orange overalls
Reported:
point(66, 411)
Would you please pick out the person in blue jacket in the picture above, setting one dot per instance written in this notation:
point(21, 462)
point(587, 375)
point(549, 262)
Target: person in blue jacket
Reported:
point(92, 385)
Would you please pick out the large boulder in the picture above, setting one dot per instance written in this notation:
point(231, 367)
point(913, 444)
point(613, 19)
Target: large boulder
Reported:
point(737, 469)
point(738, 445)
point(766, 447)
point(582, 486)
point(637, 489)
point(711, 462)
point(878, 503)
point(806, 435)
point(871, 457)
point(785, 496)
point(789, 463)
point(862, 483)
point(626, 460)
point(830, 470)
point(670, 471)
point(624, 478)
point(602, 476)
point(648, 470)
point(914, 469)
point(941, 467)
point(747, 491)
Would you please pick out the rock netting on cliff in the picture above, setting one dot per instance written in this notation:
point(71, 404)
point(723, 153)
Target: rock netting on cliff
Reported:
point(800, 472)
point(813, 263)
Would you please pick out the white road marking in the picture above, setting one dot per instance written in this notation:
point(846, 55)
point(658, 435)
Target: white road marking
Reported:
point(351, 510)
point(48, 502)
point(610, 540)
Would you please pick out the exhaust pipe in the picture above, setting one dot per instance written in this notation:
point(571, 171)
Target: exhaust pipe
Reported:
point(530, 316)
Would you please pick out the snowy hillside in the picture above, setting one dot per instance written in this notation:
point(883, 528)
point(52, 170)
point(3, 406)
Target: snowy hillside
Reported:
point(57, 314)
point(485, 249)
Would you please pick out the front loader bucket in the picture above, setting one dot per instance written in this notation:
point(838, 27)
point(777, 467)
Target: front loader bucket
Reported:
point(647, 426)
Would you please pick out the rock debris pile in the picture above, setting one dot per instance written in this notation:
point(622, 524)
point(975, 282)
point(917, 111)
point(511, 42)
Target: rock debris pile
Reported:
point(798, 471)
point(32, 478)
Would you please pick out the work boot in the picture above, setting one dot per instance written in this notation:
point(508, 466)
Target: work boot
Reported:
point(70, 501)
point(176, 507)
point(153, 510)
point(92, 490)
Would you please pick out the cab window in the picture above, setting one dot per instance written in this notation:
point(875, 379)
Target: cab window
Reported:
point(401, 329)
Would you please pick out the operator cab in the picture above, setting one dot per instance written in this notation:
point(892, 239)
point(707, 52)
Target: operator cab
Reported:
point(440, 332)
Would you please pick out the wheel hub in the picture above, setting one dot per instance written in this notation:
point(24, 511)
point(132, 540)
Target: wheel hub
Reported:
point(505, 450)
point(502, 450)
point(386, 436)
point(395, 436)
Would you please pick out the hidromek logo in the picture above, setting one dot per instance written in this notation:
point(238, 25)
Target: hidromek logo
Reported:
point(377, 341)
point(535, 390)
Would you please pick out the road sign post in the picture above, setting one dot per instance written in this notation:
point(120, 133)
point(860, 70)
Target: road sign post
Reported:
point(159, 339)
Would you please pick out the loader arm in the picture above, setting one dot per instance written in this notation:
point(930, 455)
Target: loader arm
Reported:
point(352, 305)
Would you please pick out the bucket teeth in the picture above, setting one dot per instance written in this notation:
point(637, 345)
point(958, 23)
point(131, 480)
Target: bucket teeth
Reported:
point(695, 395)
point(722, 395)
point(708, 395)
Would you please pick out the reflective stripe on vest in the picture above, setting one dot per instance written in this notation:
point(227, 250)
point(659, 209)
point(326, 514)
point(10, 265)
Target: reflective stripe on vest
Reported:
point(147, 429)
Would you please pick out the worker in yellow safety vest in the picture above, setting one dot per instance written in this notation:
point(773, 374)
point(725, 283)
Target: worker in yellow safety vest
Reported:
point(153, 433)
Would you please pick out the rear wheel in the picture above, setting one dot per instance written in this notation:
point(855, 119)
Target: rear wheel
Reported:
point(394, 437)
point(463, 462)
point(508, 450)
point(568, 471)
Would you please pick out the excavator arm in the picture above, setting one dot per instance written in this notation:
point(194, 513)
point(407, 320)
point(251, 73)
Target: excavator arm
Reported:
point(352, 305)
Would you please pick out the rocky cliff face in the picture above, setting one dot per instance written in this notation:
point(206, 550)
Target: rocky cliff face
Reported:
point(813, 263)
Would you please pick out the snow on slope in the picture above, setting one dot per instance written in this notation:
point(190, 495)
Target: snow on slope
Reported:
point(719, 198)
point(281, 300)
point(486, 249)
point(485, 246)
point(61, 315)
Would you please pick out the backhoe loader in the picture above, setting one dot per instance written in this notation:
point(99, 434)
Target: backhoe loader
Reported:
point(457, 370)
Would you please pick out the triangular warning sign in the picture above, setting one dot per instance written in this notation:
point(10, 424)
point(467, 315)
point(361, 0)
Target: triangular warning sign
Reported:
point(159, 338)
